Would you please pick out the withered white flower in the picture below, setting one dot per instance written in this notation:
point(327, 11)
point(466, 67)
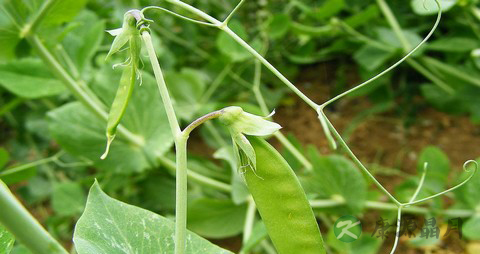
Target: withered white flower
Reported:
point(127, 32)
point(241, 123)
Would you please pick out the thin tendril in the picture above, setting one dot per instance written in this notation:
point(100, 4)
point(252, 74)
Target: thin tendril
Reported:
point(225, 22)
point(422, 180)
point(439, 15)
point(178, 15)
point(453, 188)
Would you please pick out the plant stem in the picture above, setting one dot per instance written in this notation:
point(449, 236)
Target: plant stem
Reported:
point(181, 195)
point(387, 12)
point(278, 135)
point(30, 28)
point(376, 205)
point(162, 87)
point(180, 147)
point(269, 66)
point(20, 168)
point(249, 220)
point(194, 176)
point(24, 227)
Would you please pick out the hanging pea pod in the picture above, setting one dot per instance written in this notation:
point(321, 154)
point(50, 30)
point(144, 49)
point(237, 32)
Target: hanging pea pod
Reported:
point(128, 33)
point(282, 203)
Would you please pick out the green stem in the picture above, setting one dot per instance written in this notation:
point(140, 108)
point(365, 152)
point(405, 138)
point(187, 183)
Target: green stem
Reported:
point(269, 66)
point(425, 72)
point(26, 166)
point(382, 206)
point(387, 12)
point(30, 28)
point(180, 146)
point(278, 135)
point(356, 160)
point(445, 68)
point(24, 227)
point(181, 195)
point(196, 177)
point(249, 220)
point(162, 86)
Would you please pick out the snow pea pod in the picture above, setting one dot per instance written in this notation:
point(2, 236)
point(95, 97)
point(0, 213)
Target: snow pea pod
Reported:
point(124, 92)
point(282, 203)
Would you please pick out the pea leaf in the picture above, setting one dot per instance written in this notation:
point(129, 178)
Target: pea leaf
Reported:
point(334, 176)
point(186, 87)
point(68, 199)
point(437, 172)
point(453, 44)
point(82, 134)
point(470, 228)
point(216, 218)
point(110, 226)
point(63, 11)
point(29, 78)
point(6, 241)
point(84, 40)
point(468, 194)
point(372, 58)
point(429, 7)
point(278, 25)
point(229, 46)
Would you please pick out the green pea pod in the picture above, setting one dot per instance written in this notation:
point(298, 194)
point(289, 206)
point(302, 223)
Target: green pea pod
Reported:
point(124, 92)
point(282, 203)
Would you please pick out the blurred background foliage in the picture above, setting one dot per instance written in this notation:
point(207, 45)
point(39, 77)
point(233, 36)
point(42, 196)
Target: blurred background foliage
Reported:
point(51, 140)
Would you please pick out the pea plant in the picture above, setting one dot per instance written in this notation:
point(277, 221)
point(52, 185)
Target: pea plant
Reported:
point(269, 183)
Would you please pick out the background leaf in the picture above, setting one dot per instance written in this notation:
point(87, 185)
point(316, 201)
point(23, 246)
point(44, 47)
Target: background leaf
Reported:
point(29, 78)
point(214, 218)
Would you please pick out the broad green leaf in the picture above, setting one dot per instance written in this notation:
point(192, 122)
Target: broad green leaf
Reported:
point(468, 195)
point(110, 226)
point(216, 218)
point(329, 8)
point(68, 199)
point(229, 47)
point(429, 7)
point(438, 169)
point(84, 40)
point(4, 157)
point(387, 36)
point(82, 134)
point(334, 176)
point(63, 11)
point(453, 44)
point(362, 17)
point(6, 241)
point(186, 88)
point(278, 25)
point(372, 58)
point(470, 228)
point(29, 78)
